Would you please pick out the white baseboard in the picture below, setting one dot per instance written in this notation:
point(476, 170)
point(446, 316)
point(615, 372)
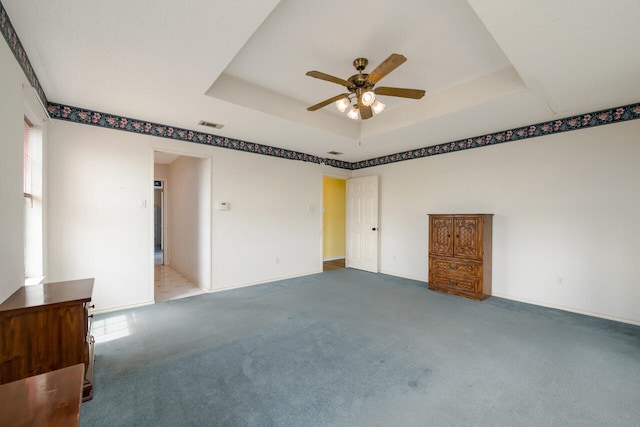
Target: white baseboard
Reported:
point(537, 303)
point(404, 276)
point(419, 279)
point(122, 307)
point(570, 309)
point(333, 259)
point(261, 282)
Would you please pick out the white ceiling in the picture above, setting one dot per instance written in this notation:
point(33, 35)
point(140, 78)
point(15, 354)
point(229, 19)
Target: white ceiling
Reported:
point(486, 65)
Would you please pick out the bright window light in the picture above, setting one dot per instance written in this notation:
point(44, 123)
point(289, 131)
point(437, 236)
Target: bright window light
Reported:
point(111, 328)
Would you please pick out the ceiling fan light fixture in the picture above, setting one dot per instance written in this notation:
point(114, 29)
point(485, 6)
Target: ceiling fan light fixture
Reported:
point(378, 107)
point(362, 90)
point(353, 113)
point(343, 104)
point(368, 98)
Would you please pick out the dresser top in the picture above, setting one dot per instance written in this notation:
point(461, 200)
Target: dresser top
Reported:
point(461, 214)
point(49, 294)
point(48, 399)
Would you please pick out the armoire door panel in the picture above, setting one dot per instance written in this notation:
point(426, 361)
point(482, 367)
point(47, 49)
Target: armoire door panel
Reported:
point(467, 243)
point(441, 236)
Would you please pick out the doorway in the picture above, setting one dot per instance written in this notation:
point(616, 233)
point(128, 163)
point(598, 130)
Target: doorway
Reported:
point(158, 222)
point(333, 223)
point(182, 225)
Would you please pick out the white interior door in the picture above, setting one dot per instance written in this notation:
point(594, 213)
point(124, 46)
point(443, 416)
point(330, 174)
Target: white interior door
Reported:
point(362, 223)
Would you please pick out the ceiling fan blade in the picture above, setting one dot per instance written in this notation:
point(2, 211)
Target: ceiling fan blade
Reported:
point(365, 112)
point(388, 65)
point(326, 102)
point(329, 78)
point(398, 91)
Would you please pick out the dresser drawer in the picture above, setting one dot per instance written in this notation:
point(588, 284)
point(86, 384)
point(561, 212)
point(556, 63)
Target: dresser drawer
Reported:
point(448, 266)
point(454, 283)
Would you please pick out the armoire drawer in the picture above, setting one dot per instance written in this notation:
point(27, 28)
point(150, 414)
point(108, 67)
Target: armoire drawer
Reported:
point(454, 267)
point(454, 283)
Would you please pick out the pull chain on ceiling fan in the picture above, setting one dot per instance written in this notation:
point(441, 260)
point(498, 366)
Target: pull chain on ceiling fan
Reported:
point(362, 89)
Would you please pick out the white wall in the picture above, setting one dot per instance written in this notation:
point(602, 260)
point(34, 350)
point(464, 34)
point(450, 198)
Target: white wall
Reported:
point(98, 176)
point(11, 199)
point(276, 212)
point(101, 212)
point(190, 219)
point(160, 171)
point(274, 227)
point(565, 204)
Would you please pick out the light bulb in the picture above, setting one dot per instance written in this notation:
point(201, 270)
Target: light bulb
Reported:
point(378, 107)
point(368, 98)
point(342, 104)
point(353, 113)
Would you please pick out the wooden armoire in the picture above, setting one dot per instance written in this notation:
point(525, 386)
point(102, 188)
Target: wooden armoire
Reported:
point(460, 254)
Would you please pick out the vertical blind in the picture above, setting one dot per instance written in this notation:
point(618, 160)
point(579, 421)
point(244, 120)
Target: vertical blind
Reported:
point(26, 178)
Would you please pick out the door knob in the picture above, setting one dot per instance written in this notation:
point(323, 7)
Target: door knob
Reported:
point(373, 229)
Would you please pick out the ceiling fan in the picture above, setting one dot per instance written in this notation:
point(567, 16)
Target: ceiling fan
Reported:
point(361, 88)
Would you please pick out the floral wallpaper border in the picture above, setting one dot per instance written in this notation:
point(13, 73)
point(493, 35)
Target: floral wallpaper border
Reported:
point(582, 121)
point(14, 43)
point(111, 121)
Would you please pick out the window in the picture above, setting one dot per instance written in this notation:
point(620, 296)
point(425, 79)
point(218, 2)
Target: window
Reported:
point(27, 177)
point(33, 206)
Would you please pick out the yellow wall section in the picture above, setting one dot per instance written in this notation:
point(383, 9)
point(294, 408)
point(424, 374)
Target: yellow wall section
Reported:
point(333, 219)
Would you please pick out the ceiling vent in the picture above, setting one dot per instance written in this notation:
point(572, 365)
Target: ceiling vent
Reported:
point(335, 153)
point(211, 125)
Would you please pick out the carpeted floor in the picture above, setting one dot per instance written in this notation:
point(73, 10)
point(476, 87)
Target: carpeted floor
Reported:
point(350, 348)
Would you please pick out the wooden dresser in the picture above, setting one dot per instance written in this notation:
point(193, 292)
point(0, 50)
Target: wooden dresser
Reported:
point(460, 254)
point(47, 327)
point(45, 400)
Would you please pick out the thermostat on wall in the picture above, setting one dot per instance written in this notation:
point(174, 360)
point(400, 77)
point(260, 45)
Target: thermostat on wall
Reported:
point(223, 206)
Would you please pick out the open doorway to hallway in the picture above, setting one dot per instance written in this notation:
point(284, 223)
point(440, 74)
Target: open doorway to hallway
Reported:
point(158, 222)
point(333, 223)
point(182, 229)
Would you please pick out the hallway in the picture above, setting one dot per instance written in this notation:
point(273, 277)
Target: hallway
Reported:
point(169, 284)
point(336, 264)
